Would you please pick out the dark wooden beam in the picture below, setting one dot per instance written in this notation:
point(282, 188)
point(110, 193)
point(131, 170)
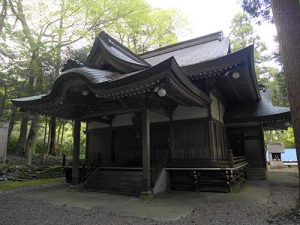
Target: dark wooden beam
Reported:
point(146, 152)
point(110, 112)
point(76, 152)
point(98, 119)
point(161, 111)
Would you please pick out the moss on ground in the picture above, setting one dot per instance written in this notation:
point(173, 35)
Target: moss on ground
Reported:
point(10, 185)
point(51, 172)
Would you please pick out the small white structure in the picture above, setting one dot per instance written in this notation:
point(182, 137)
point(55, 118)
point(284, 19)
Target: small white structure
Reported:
point(3, 140)
point(275, 150)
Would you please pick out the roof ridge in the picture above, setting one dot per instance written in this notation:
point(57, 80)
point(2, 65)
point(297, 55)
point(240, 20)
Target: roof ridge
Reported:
point(112, 41)
point(184, 44)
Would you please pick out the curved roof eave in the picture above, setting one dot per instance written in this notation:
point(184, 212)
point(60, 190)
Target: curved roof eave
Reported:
point(115, 54)
point(263, 110)
point(97, 80)
point(225, 63)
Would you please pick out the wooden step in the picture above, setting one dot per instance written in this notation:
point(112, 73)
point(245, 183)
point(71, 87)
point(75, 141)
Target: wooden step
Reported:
point(115, 181)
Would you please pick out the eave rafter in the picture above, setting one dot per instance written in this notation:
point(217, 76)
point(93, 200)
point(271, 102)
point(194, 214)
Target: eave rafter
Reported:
point(211, 73)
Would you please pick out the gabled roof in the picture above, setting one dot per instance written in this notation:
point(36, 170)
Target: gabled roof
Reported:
point(112, 71)
point(108, 54)
point(191, 52)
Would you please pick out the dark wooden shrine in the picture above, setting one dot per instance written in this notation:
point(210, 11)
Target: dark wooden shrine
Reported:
point(189, 116)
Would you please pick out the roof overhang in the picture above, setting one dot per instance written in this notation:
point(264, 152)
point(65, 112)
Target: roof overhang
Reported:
point(264, 112)
point(108, 53)
point(105, 91)
point(243, 88)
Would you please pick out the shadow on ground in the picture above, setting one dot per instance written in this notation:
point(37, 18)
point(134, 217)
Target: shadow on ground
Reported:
point(169, 206)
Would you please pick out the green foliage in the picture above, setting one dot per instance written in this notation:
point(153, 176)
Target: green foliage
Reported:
point(242, 34)
point(259, 9)
point(281, 136)
point(12, 144)
point(147, 28)
point(39, 36)
point(10, 185)
point(51, 172)
point(276, 83)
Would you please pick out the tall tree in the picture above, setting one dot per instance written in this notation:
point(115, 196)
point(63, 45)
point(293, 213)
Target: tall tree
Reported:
point(48, 30)
point(147, 28)
point(3, 14)
point(242, 34)
point(39, 36)
point(286, 15)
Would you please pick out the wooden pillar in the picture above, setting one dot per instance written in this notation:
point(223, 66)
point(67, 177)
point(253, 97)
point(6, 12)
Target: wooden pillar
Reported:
point(263, 152)
point(231, 158)
point(111, 141)
point(172, 143)
point(76, 152)
point(87, 147)
point(146, 152)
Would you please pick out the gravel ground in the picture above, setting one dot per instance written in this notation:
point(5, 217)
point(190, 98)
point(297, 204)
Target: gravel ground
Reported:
point(14, 211)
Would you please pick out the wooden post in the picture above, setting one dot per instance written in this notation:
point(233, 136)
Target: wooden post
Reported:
point(231, 159)
point(172, 144)
point(146, 153)
point(76, 152)
point(212, 140)
point(111, 141)
point(263, 144)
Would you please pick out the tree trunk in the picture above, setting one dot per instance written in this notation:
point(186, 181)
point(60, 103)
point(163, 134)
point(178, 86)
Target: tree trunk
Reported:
point(23, 134)
point(31, 140)
point(287, 20)
point(12, 121)
point(62, 133)
point(52, 133)
point(44, 141)
point(60, 35)
point(3, 15)
point(57, 138)
point(3, 102)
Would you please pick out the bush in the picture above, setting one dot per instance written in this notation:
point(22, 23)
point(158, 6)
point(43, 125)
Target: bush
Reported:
point(12, 144)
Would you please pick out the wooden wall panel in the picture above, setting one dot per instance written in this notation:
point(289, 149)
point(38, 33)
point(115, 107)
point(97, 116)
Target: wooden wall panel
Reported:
point(127, 147)
point(124, 150)
point(190, 140)
point(248, 141)
point(98, 144)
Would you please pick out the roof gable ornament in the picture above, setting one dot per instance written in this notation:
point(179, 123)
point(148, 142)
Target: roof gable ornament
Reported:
point(108, 54)
point(71, 63)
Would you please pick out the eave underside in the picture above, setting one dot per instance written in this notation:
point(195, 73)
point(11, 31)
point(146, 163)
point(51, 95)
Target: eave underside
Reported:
point(219, 72)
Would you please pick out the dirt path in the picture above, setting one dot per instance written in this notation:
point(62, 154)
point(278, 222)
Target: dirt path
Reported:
point(255, 204)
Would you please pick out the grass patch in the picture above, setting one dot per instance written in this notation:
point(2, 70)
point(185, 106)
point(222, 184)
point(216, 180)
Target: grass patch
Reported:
point(9, 185)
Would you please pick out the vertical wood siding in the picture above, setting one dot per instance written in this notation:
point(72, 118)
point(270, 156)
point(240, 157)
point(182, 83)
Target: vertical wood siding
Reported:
point(191, 140)
point(220, 146)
